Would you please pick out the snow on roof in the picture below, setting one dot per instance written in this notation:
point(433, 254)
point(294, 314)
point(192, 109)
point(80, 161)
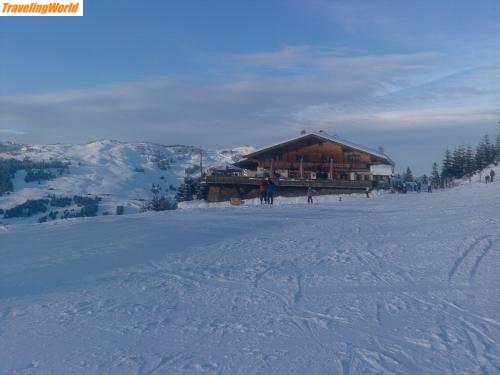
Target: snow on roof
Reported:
point(327, 137)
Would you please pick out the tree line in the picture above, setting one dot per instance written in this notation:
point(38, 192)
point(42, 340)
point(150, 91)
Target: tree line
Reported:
point(35, 171)
point(465, 161)
point(88, 206)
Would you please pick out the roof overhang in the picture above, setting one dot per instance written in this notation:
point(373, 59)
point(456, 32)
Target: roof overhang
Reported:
point(313, 138)
point(246, 164)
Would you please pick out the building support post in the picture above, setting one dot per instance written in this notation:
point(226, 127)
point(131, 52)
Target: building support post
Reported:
point(330, 174)
point(301, 167)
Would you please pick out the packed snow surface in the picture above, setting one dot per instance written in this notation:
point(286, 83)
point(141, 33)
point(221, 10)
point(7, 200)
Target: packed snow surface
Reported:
point(397, 284)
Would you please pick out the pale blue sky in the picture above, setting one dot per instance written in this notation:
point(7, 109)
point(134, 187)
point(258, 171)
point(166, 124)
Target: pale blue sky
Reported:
point(412, 76)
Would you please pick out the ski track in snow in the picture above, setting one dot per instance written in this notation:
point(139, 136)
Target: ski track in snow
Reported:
point(480, 246)
point(392, 285)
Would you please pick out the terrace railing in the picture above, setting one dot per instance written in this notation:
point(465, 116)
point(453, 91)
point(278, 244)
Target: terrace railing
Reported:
point(352, 167)
point(289, 182)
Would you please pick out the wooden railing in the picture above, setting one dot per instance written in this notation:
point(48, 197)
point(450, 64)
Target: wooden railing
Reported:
point(279, 164)
point(287, 182)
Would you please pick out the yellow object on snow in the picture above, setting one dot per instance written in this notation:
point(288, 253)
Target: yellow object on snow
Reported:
point(235, 201)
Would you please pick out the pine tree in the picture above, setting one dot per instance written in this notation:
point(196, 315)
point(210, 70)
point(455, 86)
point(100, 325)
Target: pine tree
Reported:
point(483, 153)
point(447, 170)
point(462, 155)
point(435, 176)
point(497, 148)
point(189, 189)
point(408, 176)
point(201, 191)
point(160, 203)
point(479, 157)
point(489, 150)
point(458, 162)
point(184, 191)
point(469, 167)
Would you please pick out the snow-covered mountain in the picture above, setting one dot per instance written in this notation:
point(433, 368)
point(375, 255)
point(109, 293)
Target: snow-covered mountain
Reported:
point(121, 174)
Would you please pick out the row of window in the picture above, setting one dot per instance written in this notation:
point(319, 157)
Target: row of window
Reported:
point(351, 158)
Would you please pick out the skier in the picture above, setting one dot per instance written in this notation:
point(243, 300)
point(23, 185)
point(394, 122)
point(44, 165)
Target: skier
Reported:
point(263, 190)
point(487, 178)
point(492, 175)
point(310, 192)
point(367, 191)
point(271, 188)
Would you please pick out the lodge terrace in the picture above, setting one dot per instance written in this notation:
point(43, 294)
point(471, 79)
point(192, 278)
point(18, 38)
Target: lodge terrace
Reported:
point(326, 163)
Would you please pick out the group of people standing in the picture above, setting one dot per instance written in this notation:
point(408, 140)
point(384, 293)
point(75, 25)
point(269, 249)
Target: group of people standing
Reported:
point(404, 187)
point(489, 178)
point(266, 190)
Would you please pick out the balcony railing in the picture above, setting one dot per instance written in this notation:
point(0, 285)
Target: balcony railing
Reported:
point(288, 182)
point(279, 164)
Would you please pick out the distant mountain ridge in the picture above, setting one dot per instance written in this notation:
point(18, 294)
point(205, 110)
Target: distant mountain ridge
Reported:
point(120, 173)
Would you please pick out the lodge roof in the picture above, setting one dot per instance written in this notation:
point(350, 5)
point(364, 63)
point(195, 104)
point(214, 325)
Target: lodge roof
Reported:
point(322, 136)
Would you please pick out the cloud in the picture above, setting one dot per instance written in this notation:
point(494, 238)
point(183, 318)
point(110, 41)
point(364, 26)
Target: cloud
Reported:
point(11, 131)
point(283, 58)
point(322, 116)
point(336, 60)
point(316, 88)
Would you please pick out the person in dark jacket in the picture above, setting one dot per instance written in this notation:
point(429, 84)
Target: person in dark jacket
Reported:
point(263, 190)
point(492, 175)
point(310, 193)
point(271, 188)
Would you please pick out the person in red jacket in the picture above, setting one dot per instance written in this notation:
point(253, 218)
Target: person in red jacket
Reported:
point(263, 190)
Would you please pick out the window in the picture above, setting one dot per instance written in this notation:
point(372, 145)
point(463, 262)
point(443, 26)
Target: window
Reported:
point(352, 158)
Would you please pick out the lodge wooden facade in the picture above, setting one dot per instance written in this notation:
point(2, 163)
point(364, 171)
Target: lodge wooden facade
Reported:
point(327, 163)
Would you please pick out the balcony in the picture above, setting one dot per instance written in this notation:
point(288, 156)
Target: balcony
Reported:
point(307, 165)
point(288, 182)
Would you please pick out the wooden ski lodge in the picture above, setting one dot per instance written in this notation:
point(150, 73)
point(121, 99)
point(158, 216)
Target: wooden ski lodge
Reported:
point(326, 163)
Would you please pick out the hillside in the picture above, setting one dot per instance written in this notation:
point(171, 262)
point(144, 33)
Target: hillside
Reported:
point(398, 284)
point(118, 173)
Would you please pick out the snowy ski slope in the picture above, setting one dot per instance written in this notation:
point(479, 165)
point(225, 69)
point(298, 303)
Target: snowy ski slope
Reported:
point(398, 284)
